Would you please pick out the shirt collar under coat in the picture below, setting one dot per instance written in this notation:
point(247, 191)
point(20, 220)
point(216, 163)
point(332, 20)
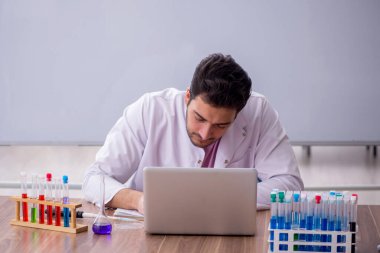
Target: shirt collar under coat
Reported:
point(230, 141)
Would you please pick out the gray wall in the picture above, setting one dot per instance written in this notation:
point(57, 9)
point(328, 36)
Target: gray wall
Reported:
point(68, 68)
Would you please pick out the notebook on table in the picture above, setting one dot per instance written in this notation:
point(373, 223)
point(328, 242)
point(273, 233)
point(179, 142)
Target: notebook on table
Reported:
point(208, 201)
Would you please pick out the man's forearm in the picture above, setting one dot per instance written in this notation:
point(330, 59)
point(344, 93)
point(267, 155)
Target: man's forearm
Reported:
point(128, 199)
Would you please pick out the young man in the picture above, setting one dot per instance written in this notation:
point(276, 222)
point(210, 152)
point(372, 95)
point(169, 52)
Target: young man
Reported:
point(217, 122)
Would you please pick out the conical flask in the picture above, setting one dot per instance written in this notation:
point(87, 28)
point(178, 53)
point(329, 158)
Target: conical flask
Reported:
point(102, 224)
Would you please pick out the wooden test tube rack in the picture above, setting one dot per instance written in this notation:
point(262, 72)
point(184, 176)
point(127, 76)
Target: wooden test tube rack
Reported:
point(74, 227)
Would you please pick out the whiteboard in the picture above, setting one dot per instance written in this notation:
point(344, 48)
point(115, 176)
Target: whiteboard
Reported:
point(69, 68)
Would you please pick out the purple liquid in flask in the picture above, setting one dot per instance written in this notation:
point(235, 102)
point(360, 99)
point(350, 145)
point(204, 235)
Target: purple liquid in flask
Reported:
point(102, 229)
point(102, 225)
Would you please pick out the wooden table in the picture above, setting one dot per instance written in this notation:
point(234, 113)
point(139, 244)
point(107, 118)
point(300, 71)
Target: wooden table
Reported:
point(130, 237)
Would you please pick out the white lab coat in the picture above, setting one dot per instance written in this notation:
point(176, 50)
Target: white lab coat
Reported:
point(152, 132)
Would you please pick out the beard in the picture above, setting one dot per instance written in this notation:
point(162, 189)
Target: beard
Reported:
point(197, 141)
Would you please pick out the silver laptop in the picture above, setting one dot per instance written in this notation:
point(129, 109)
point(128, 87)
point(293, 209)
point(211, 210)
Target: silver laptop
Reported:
point(210, 201)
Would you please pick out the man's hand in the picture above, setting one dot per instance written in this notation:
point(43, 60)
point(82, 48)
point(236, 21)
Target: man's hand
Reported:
point(128, 199)
point(140, 208)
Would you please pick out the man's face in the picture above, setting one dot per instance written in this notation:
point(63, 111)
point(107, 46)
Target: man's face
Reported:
point(204, 123)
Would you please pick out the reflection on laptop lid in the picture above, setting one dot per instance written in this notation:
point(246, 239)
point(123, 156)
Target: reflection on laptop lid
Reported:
point(200, 200)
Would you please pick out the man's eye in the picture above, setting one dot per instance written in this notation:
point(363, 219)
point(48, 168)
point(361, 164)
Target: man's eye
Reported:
point(199, 119)
point(222, 126)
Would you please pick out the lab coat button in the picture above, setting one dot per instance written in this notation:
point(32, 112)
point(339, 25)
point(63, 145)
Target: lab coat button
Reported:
point(199, 161)
point(225, 161)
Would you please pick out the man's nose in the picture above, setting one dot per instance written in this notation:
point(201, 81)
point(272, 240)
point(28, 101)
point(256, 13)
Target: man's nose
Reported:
point(205, 132)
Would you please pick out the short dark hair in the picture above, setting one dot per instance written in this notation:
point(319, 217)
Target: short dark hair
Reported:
point(221, 82)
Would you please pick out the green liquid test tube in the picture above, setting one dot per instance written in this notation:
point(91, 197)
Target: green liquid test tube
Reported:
point(33, 212)
point(33, 219)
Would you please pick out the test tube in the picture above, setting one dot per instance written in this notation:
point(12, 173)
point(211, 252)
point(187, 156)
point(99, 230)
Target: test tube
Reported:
point(49, 197)
point(346, 211)
point(24, 195)
point(332, 214)
point(309, 219)
point(324, 219)
point(33, 215)
point(296, 211)
point(273, 217)
point(353, 218)
point(288, 215)
point(339, 218)
point(303, 208)
point(65, 200)
point(273, 210)
point(57, 199)
point(296, 217)
point(317, 220)
point(339, 212)
point(288, 209)
point(281, 216)
point(317, 211)
point(41, 196)
point(281, 210)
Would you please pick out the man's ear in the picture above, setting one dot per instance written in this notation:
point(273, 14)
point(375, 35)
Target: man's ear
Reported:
point(187, 96)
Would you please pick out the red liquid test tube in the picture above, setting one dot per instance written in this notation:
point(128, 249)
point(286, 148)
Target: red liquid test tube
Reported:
point(58, 216)
point(41, 209)
point(49, 215)
point(49, 197)
point(24, 195)
point(41, 196)
point(24, 208)
point(57, 199)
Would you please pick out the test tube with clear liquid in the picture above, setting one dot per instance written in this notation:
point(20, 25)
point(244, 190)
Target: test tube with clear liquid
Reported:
point(102, 224)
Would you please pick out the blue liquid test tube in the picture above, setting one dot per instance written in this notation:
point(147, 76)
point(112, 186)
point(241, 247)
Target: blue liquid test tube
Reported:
point(288, 215)
point(346, 211)
point(296, 211)
point(65, 200)
point(281, 217)
point(309, 220)
point(317, 220)
point(339, 218)
point(303, 208)
point(273, 217)
point(296, 217)
point(324, 219)
point(331, 218)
